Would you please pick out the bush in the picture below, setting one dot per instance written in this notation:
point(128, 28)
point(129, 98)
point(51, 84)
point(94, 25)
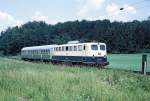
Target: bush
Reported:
point(1, 53)
point(143, 51)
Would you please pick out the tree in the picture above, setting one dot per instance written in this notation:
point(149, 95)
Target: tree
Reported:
point(149, 18)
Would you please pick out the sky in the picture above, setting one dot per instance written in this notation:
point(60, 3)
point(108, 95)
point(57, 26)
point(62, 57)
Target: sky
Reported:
point(18, 12)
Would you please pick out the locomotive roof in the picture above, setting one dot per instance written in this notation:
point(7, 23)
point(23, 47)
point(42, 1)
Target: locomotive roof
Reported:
point(83, 43)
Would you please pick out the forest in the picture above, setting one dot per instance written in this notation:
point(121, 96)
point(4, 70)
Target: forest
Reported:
point(120, 37)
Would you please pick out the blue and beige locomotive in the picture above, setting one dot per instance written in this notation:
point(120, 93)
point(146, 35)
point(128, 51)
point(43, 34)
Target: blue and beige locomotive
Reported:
point(93, 53)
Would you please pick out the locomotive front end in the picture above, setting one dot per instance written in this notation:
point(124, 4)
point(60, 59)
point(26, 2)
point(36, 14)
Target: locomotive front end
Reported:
point(99, 53)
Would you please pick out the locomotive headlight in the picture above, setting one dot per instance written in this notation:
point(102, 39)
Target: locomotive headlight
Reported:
point(99, 53)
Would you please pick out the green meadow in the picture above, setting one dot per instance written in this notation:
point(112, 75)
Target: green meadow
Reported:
point(26, 81)
point(131, 62)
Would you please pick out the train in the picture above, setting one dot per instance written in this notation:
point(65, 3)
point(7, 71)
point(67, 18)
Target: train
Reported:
point(74, 52)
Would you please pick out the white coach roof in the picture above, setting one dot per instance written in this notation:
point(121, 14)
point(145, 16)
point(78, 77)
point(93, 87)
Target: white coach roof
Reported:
point(39, 47)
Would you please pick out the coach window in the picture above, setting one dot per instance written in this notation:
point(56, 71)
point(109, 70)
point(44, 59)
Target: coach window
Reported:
point(70, 48)
point(94, 47)
point(80, 48)
point(47, 51)
point(75, 48)
point(42, 51)
point(56, 48)
point(59, 48)
point(63, 48)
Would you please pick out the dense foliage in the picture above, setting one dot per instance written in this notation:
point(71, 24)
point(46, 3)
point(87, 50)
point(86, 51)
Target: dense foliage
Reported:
point(119, 36)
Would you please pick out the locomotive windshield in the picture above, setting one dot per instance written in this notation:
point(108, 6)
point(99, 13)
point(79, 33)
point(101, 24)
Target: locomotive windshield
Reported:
point(102, 47)
point(94, 47)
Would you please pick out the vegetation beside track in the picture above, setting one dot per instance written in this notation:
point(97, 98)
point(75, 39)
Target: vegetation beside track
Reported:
point(25, 81)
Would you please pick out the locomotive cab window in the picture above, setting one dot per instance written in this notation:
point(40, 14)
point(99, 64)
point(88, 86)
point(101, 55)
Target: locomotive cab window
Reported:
point(102, 47)
point(94, 47)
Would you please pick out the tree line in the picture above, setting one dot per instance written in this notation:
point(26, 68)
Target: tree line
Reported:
point(120, 37)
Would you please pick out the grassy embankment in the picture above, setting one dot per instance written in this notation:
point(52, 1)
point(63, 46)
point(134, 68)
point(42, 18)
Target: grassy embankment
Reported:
point(24, 81)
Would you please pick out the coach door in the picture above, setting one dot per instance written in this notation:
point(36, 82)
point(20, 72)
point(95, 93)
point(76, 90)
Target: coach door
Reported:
point(84, 53)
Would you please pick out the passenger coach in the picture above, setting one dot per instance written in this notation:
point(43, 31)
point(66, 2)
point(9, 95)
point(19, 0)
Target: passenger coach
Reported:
point(44, 53)
point(94, 53)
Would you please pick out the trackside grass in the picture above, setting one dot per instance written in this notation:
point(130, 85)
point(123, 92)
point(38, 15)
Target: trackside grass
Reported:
point(25, 81)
